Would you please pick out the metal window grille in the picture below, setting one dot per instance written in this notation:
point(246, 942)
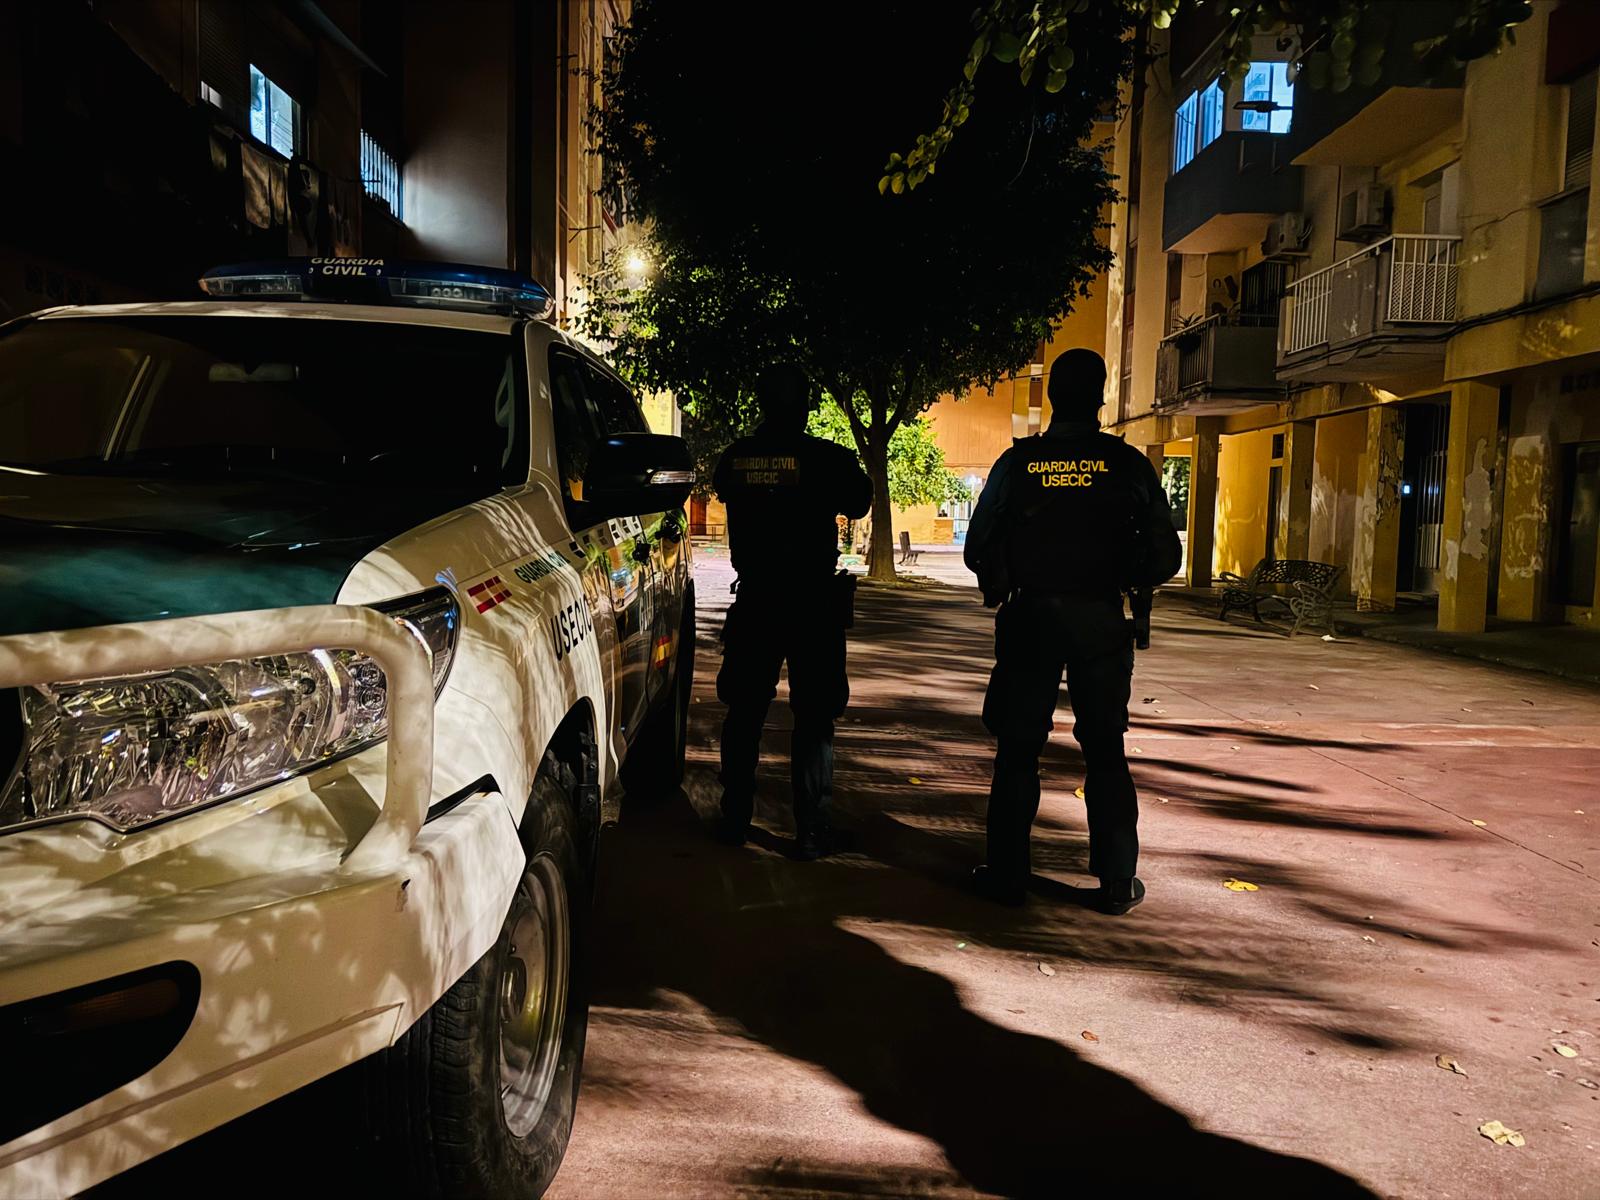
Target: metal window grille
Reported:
point(380, 176)
point(1580, 131)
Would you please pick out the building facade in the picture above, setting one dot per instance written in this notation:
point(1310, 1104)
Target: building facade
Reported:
point(1370, 318)
point(145, 141)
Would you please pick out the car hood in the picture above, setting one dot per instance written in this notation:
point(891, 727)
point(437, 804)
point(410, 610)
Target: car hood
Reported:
point(80, 550)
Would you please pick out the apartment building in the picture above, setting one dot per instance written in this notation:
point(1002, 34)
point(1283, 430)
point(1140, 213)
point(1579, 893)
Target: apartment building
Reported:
point(1370, 318)
point(143, 142)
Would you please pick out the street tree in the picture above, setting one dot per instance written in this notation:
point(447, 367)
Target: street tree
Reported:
point(1333, 43)
point(917, 471)
point(753, 157)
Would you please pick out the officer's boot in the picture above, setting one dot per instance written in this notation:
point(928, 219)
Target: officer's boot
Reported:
point(733, 826)
point(1117, 896)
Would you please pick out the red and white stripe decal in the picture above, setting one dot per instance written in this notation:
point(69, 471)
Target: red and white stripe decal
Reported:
point(489, 593)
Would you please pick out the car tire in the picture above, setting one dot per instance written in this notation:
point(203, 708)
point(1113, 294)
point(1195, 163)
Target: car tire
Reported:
point(656, 763)
point(477, 1098)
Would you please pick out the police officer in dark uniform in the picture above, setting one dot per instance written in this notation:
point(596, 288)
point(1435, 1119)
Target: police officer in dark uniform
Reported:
point(784, 490)
point(1068, 520)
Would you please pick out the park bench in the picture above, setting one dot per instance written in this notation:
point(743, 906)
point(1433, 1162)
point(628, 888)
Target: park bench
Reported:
point(907, 554)
point(1305, 588)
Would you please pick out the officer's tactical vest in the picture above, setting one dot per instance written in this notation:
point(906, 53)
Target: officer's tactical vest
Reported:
point(1076, 506)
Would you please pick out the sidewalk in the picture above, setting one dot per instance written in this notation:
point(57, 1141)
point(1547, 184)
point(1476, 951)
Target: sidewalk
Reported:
point(1562, 650)
point(863, 1026)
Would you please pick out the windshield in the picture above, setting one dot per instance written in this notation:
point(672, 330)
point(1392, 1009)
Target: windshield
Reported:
point(322, 400)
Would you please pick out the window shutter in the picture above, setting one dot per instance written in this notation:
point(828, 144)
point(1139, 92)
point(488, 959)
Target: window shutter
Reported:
point(222, 58)
point(1580, 131)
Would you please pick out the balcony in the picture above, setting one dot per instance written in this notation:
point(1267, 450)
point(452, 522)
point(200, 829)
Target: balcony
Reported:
point(1226, 196)
point(1219, 365)
point(1367, 125)
point(1385, 310)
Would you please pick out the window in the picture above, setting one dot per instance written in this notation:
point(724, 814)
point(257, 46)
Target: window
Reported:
point(380, 175)
point(1183, 123)
point(577, 423)
point(1267, 84)
point(344, 403)
point(1210, 114)
point(618, 409)
point(274, 115)
point(1564, 218)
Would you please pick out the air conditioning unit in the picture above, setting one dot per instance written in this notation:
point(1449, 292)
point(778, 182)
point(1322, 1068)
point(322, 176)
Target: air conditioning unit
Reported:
point(1289, 236)
point(1364, 213)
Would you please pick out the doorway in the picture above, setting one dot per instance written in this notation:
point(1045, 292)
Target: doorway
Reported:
point(1422, 476)
point(1579, 533)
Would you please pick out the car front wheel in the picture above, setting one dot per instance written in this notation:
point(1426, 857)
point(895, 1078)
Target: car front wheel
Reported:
point(477, 1098)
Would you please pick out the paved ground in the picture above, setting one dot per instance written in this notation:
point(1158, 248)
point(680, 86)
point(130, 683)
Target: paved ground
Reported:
point(862, 1026)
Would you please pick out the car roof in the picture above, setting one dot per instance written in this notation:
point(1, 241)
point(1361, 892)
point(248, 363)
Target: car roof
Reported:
point(441, 318)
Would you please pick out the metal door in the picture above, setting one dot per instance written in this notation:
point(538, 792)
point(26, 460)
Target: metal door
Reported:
point(1580, 531)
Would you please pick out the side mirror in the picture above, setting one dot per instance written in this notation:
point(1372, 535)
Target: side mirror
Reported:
point(634, 473)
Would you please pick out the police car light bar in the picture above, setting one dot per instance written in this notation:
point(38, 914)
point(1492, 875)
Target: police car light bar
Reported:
point(377, 281)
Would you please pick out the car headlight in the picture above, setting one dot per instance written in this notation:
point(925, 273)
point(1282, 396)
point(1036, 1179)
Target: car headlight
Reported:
point(133, 749)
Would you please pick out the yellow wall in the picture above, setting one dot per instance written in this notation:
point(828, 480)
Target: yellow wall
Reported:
point(1341, 441)
point(974, 431)
point(1243, 464)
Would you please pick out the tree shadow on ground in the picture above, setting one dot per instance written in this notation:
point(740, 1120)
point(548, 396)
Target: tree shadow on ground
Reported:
point(759, 940)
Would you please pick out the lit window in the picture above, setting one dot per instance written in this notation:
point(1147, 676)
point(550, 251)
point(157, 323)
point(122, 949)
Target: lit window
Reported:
point(1267, 83)
point(380, 175)
point(274, 115)
point(1210, 114)
point(1183, 122)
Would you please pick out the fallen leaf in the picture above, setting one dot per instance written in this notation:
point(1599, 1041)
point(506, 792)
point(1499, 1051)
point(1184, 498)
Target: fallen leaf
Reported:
point(1239, 885)
point(1163, 799)
point(1328, 637)
point(1579, 811)
point(1149, 699)
point(1136, 750)
point(1233, 747)
point(1313, 687)
point(1445, 1063)
point(1500, 1135)
point(1078, 792)
point(961, 945)
point(1046, 969)
point(1466, 710)
point(914, 779)
point(1367, 937)
point(1480, 824)
point(1563, 1049)
point(1588, 1083)
point(1089, 1037)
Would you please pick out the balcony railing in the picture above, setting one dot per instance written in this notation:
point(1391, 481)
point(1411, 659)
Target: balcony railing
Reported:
point(1406, 279)
point(1219, 364)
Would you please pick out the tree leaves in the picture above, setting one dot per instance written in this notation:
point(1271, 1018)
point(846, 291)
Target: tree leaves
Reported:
point(1343, 43)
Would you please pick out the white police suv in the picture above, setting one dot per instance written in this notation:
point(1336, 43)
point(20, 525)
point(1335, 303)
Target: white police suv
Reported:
point(331, 609)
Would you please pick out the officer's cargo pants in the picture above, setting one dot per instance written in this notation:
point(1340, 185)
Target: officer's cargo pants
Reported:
point(1037, 636)
point(800, 623)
